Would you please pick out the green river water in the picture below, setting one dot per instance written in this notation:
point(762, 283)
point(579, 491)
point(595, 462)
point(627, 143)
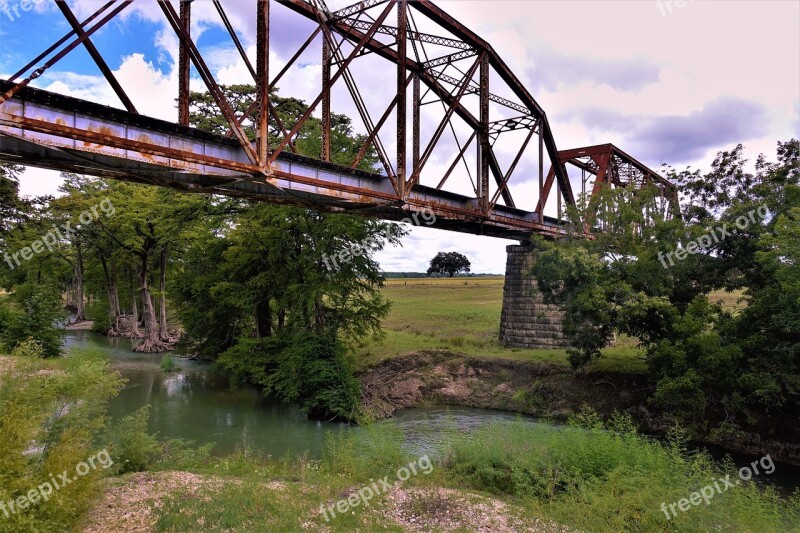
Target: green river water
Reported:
point(197, 403)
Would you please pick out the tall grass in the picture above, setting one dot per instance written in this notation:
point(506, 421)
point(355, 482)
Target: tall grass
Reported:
point(586, 476)
point(613, 479)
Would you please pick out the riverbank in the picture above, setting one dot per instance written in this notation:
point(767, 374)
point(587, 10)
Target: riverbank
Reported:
point(546, 390)
point(505, 476)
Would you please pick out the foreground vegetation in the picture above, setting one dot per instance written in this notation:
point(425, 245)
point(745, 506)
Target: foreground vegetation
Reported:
point(586, 476)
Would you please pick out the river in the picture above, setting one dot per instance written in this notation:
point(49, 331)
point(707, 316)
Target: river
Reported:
point(196, 402)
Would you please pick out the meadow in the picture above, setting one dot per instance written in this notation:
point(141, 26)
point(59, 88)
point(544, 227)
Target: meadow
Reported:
point(462, 314)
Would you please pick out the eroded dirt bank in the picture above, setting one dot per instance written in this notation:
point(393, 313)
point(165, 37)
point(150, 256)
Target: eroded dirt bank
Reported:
point(545, 390)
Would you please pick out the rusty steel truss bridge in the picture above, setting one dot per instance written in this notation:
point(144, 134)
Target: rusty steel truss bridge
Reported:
point(446, 83)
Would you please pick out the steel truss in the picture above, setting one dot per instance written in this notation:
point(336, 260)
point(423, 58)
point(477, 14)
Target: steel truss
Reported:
point(450, 67)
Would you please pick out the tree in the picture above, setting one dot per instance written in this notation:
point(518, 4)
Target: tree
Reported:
point(11, 207)
point(271, 309)
point(345, 144)
point(448, 263)
point(739, 231)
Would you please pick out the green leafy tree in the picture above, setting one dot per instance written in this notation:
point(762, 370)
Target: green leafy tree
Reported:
point(272, 308)
point(709, 364)
point(449, 263)
point(345, 144)
point(11, 206)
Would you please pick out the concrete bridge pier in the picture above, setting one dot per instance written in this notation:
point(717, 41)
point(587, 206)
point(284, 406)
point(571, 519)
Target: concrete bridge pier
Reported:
point(527, 322)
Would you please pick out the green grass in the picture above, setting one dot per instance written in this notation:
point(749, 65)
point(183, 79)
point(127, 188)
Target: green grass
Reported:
point(168, 363)
point(463, 315)
point(607, 481)
point(595, 478)
point(262, 493)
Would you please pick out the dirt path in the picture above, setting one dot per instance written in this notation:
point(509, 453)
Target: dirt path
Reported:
point(131, 502)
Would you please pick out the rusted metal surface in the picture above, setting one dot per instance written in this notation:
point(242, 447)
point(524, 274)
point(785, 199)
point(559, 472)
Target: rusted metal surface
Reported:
point(184, 65)
point(452, 70)
point(261, 78)
point(611, 167)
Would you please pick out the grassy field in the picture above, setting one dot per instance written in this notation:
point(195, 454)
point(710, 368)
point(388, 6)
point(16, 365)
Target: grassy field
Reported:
point(463, 315)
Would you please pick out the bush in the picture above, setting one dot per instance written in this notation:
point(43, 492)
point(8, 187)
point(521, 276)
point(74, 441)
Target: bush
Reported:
point(30, 348)
point(182, 454)
point(38, 312)
point(50, 415)
point(304, 367)
point(130, 444)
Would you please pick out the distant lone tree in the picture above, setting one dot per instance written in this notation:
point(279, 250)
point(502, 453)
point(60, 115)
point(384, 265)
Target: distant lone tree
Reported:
point(448, 263)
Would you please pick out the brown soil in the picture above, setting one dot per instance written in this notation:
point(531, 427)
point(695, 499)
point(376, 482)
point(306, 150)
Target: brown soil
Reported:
point(6, 363)
point(438, 509)
point(546, 390)
point(130, 502)
point(539, 389)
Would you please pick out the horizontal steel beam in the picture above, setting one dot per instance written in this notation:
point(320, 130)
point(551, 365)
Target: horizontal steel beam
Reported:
point(47, 130)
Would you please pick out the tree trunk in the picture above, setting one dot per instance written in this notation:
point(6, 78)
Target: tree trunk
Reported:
point(80, 313)
point(163, 331)
point(263, 319)
point(281, 318)
point(134, 320)
point(114, 329)
point(151, 343)
point(117, 322)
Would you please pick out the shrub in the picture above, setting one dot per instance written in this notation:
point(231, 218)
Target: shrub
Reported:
point(50, 415)
point(28, 348)
point(304, 367)
point(130, 444)
point(38, 311)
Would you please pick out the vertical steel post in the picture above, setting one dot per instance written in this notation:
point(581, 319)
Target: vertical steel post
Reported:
point(416, 124)
point(542, 199)
point(558, 197)
point(401, 95)
point(326, 95)
point(262, 73)
point(483, 135)
point(184, 65)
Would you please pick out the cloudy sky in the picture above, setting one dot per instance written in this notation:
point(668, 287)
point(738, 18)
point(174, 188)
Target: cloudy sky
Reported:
point(666, 81)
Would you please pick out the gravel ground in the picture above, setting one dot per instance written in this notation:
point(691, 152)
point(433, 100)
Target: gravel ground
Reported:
point(130, 504)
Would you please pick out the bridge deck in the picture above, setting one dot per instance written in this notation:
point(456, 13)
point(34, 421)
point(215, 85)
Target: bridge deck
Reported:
point(48, 130)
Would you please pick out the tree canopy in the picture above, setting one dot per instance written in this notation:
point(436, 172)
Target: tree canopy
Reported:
point(651, 281)
point(449, 263)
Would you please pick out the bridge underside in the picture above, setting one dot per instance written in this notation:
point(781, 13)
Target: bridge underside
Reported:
point(47, 130)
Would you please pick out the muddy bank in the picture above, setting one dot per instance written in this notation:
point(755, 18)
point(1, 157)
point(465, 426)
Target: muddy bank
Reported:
point(546, 390)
